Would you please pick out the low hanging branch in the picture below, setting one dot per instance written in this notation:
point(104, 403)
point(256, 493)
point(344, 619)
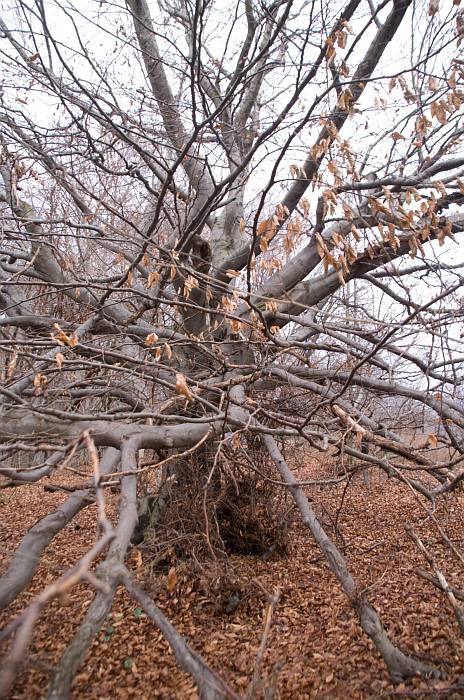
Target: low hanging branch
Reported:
point(399, 665)
point(23, 626)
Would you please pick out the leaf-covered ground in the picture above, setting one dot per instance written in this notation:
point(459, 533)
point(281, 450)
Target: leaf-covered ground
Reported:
point(316, 648)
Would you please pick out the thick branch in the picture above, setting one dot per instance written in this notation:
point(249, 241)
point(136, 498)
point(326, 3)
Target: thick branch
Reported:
point(26, 558)
point(399, 665)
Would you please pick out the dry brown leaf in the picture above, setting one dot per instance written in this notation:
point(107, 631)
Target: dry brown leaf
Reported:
point(172, 578)
point(40, 382)
point(63, 338)
point(151, 339)
point(59, 359)
point(11, 366)
point(152, 278)
point(182, 387)
point(138, 558)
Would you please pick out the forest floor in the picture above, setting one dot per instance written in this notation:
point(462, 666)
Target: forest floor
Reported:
point(315, 649)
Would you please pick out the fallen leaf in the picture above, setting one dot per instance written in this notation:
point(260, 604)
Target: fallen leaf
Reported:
point(172, 578)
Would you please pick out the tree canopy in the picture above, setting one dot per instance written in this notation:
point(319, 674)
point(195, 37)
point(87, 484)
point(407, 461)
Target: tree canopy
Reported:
point(226, 226)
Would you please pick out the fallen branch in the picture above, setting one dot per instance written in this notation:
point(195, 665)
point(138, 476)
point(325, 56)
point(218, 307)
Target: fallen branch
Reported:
point(210, 685)
point(459, 595)
point(459, 613)
point(255, 681)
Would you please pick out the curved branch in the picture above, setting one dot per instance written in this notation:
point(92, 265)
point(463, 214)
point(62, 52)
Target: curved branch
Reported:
point(27, 556)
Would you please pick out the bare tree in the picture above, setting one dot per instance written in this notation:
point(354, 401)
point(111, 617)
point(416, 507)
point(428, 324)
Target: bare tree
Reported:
point(188, 190)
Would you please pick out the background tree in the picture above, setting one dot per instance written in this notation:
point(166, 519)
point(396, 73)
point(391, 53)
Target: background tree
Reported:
point(190, 191)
